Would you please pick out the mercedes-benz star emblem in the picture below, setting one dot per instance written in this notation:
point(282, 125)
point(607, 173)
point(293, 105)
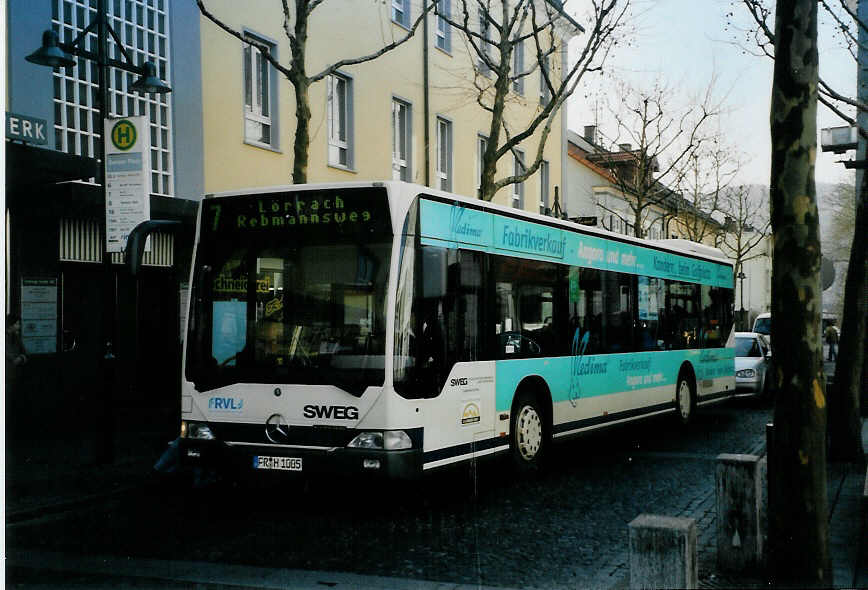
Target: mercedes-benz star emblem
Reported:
point(277, 429)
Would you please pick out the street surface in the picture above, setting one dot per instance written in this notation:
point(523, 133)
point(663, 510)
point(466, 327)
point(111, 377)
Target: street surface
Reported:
point(478, 526)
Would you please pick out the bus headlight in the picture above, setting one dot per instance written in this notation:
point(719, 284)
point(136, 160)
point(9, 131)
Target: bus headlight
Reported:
point(396, 440)
point(196, 430)
point(367, 440)
point(390, 440)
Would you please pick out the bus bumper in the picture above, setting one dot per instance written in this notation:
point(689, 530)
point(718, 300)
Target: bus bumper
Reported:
point(301, 462)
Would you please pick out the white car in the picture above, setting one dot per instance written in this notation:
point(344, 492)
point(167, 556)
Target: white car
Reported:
point(763, 325)
point(753, 358)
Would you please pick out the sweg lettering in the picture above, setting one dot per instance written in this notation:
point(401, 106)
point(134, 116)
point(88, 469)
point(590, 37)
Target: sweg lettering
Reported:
point(229, 404)
point(332, 412)
point(276, 214)
point(527, 240)
point(458, 381)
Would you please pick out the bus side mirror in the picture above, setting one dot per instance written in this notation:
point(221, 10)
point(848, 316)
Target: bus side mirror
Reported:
point(137, 238)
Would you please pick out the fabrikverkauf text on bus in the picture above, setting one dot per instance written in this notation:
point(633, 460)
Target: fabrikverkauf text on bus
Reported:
point(390, 328)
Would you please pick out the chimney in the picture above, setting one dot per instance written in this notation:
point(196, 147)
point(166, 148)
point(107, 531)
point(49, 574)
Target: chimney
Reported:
point(591, 133)
point(625, 147)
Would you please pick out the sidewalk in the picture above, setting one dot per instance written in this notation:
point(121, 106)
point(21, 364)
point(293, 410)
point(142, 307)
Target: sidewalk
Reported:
point(848, 525)
point(59, 471)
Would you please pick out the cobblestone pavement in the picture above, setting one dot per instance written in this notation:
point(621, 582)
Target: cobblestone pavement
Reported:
point(567, 529)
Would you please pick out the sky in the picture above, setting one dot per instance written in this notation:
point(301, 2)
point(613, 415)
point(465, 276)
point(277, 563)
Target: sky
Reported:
point(685, 43)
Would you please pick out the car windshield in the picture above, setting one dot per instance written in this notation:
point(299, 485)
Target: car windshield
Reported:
point(299, 306)
point(763, 326)
point(747, 347)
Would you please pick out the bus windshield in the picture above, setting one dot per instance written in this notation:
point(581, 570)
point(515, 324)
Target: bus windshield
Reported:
point(290, 288)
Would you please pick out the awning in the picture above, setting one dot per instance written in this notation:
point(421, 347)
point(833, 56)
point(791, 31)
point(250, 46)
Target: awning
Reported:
point(28, 166)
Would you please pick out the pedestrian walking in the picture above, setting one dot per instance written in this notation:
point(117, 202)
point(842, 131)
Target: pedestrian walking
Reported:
point(832, 341)
point(16, 356)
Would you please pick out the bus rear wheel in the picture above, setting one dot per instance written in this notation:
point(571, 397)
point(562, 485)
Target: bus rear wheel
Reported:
point(528, 441)
point(685, 398)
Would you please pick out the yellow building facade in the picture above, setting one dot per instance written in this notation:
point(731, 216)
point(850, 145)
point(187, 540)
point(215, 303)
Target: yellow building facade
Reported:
point(374, 106)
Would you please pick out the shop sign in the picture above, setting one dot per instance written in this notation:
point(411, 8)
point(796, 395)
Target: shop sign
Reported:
point(26, 129)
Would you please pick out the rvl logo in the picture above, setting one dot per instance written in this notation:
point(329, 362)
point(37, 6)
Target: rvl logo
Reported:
point(226, 404)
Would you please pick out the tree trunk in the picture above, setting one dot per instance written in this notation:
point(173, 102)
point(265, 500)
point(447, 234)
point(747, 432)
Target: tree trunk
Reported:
point(489, 159)
point(798, 502)
point(301, 143)
point(301, 86)
point(846, 419)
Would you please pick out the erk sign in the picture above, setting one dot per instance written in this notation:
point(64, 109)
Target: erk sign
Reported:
point(26, 129)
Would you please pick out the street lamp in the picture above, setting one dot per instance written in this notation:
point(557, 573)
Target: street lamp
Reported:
point(55, 54)
point(741, 276)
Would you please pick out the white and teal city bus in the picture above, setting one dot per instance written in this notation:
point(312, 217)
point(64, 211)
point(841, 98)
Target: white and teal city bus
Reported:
point(390, 328)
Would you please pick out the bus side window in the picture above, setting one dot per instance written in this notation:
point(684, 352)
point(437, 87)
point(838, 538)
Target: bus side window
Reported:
point(618, 321)
point(682, 314)
point(716, 315)
point(588, 310)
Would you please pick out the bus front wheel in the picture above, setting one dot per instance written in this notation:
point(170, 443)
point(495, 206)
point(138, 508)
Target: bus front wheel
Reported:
point(684, 398)
point(528, 433)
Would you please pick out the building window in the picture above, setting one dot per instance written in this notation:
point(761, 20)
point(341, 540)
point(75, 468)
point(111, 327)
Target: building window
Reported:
point(401, 140)
point(518, 187)
point(485, 32)
point(544, 94)
point(257, 94)
point(543, 187)
point(518, 68)
point(143, 29)
point(340, 128)
point(401, 12)
point(481, 146)
point(444, 31)
point(444, 154)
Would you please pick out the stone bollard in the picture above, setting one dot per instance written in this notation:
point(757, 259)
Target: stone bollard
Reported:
point(663, 552)
point(739, 500)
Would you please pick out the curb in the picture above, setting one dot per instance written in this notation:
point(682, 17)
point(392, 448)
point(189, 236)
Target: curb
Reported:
point(207, 573)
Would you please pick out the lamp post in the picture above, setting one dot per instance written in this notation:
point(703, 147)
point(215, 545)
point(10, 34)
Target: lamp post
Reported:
point(741, 276)
point(55, 54)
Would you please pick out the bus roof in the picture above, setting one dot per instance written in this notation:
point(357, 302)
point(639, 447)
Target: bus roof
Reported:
point(409, 191)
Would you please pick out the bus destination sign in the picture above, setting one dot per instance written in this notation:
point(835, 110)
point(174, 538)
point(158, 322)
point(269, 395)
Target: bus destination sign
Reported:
point(350, 210)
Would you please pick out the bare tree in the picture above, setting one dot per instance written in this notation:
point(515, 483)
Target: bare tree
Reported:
point(494, 31)
point(849, 377)
point(707, 187)
point(650, 129)
point(745, 230)
point(746, 225)
point(798, 498)
point(295, 28)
